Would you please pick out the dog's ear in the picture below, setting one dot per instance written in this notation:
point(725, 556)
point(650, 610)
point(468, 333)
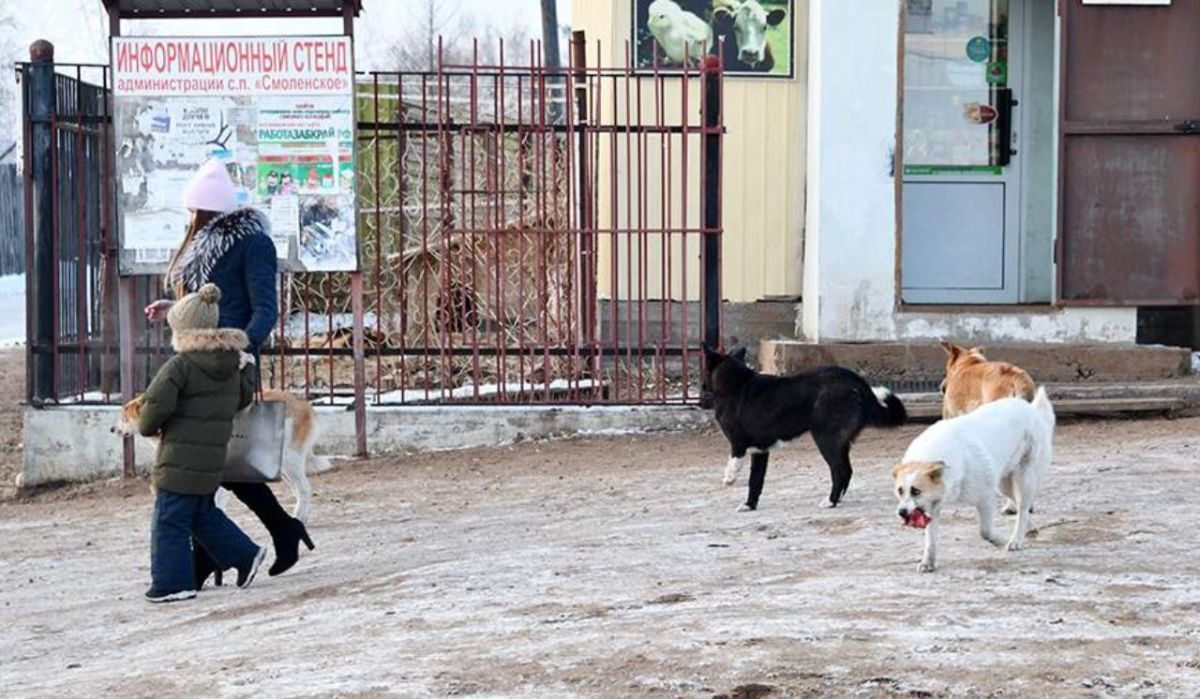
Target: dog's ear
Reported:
point(950, 348)
point(934, 470)
point(976, 350)
point(897, 469)
point(712, 357)
point(738, 353)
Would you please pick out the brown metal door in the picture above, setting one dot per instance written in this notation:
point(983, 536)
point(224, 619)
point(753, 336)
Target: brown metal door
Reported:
point(1129, 174)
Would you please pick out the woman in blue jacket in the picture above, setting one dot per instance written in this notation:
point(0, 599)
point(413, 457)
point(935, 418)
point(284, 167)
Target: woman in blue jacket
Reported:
point(232, 248)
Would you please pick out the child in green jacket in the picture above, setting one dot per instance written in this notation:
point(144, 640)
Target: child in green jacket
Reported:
point(190, 406)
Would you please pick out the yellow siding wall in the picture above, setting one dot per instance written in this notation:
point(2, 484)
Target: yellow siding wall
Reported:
point(763, 179)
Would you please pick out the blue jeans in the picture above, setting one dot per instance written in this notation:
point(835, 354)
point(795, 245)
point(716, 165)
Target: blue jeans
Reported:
point(180, 519)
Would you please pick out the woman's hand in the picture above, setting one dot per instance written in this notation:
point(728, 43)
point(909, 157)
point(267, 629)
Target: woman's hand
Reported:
point(157, 311)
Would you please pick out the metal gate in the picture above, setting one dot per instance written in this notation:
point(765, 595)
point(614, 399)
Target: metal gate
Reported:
point(71, 341)
point(528, 234)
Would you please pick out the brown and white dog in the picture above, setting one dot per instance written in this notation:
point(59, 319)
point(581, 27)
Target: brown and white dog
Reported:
point(972, 380)
point(298, 457)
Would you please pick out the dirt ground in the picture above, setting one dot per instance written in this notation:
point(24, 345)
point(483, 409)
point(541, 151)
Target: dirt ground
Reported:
point(12, 393)
point(617, 566)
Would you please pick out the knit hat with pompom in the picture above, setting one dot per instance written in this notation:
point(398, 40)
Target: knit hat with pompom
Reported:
point(196, 311)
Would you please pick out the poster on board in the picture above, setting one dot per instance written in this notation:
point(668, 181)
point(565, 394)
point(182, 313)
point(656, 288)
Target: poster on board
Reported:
point(753, 37)
point(278, 111)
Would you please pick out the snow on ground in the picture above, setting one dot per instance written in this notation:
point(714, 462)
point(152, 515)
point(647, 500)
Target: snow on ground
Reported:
point(618, 567)
point(12, 310)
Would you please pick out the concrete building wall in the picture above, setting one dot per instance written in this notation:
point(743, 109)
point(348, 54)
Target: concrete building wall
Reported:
point(763, 169)
point(850, 269)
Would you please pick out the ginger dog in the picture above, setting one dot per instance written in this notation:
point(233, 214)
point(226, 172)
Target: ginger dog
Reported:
point(972, 381)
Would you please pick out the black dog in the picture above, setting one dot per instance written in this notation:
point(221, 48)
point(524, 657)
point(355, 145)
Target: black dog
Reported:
point(758, 412)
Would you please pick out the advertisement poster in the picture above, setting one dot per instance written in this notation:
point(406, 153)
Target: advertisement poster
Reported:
point(278, 111)
point(752, 37)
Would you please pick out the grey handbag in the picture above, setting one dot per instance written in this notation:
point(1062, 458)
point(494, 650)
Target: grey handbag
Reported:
point(255, 453)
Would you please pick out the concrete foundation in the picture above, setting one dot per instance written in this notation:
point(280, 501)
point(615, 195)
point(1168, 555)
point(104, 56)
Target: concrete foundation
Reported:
point(75, 443)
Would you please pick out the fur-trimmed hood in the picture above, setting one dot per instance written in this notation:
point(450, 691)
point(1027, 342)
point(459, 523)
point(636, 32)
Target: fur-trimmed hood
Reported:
point(210, 244)
point(209, 340)
point(214, 352)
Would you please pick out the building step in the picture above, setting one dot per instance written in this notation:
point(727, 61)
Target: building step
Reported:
point(922, 366)
point(927, 407)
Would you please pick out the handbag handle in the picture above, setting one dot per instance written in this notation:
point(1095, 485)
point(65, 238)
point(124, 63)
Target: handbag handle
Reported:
point(258, 387)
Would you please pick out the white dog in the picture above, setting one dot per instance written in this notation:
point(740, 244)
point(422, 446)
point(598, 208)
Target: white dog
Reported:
point(1004, 447)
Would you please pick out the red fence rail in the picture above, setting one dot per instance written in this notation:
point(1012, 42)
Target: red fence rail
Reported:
point(528, 235)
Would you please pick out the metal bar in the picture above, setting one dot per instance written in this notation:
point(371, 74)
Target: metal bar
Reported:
point(425, 262)
point(471, 299)
point(558, 351)
point(711, 188)
point(643, 238)
point(572, 226)
point(500, 108)
point(540, 158)
point(445, 204)
point(127, 287)
point(360, 397)
point(81, 306)
point(28, 184)
point(630, 209)
point(614, 274)
point(40, 106)
point(684, 183)
point(109, 249)
point(586, 223)
point(54, 300)
point(522, 194)
point(1174, 127)
point(402, 230)
point(378, 247)
point(664, 155)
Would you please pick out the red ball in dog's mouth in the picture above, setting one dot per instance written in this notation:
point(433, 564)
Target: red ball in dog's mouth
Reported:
point(917, 519)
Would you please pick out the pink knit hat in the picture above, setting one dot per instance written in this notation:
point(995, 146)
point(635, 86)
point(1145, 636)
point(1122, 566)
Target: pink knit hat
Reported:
point(210, 189)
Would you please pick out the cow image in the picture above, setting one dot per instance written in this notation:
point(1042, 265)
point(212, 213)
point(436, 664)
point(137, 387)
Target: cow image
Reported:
point(681, 32)
point(740, 31)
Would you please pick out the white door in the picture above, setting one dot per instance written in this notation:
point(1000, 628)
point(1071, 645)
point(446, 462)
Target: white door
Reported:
point(961, 193)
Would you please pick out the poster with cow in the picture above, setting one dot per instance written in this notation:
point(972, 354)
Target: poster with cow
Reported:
point(753, 37)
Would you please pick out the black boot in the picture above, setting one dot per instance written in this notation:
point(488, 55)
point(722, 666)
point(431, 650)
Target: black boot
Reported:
point(205, 566)
point(287, 546)
point(286, 531)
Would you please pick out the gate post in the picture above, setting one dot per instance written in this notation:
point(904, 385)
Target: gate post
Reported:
point(710, 186)
point(40, 112)
point(587, 224)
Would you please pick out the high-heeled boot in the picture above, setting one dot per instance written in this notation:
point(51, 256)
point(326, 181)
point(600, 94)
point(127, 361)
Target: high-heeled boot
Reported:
point(286, 531)
point(287, 546)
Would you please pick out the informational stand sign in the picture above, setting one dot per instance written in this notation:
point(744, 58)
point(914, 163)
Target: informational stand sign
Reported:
point(278, 111)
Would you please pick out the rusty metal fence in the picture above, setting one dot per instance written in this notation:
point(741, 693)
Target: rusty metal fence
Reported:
point(69, 282)
point(527, 235)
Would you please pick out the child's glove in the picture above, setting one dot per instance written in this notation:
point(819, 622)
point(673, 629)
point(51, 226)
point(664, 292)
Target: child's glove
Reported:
point(245, 359)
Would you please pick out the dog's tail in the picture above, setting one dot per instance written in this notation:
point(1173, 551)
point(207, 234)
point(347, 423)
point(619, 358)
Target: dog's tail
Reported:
point(886, 410)
point(317, 464)
point(1045, 410)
